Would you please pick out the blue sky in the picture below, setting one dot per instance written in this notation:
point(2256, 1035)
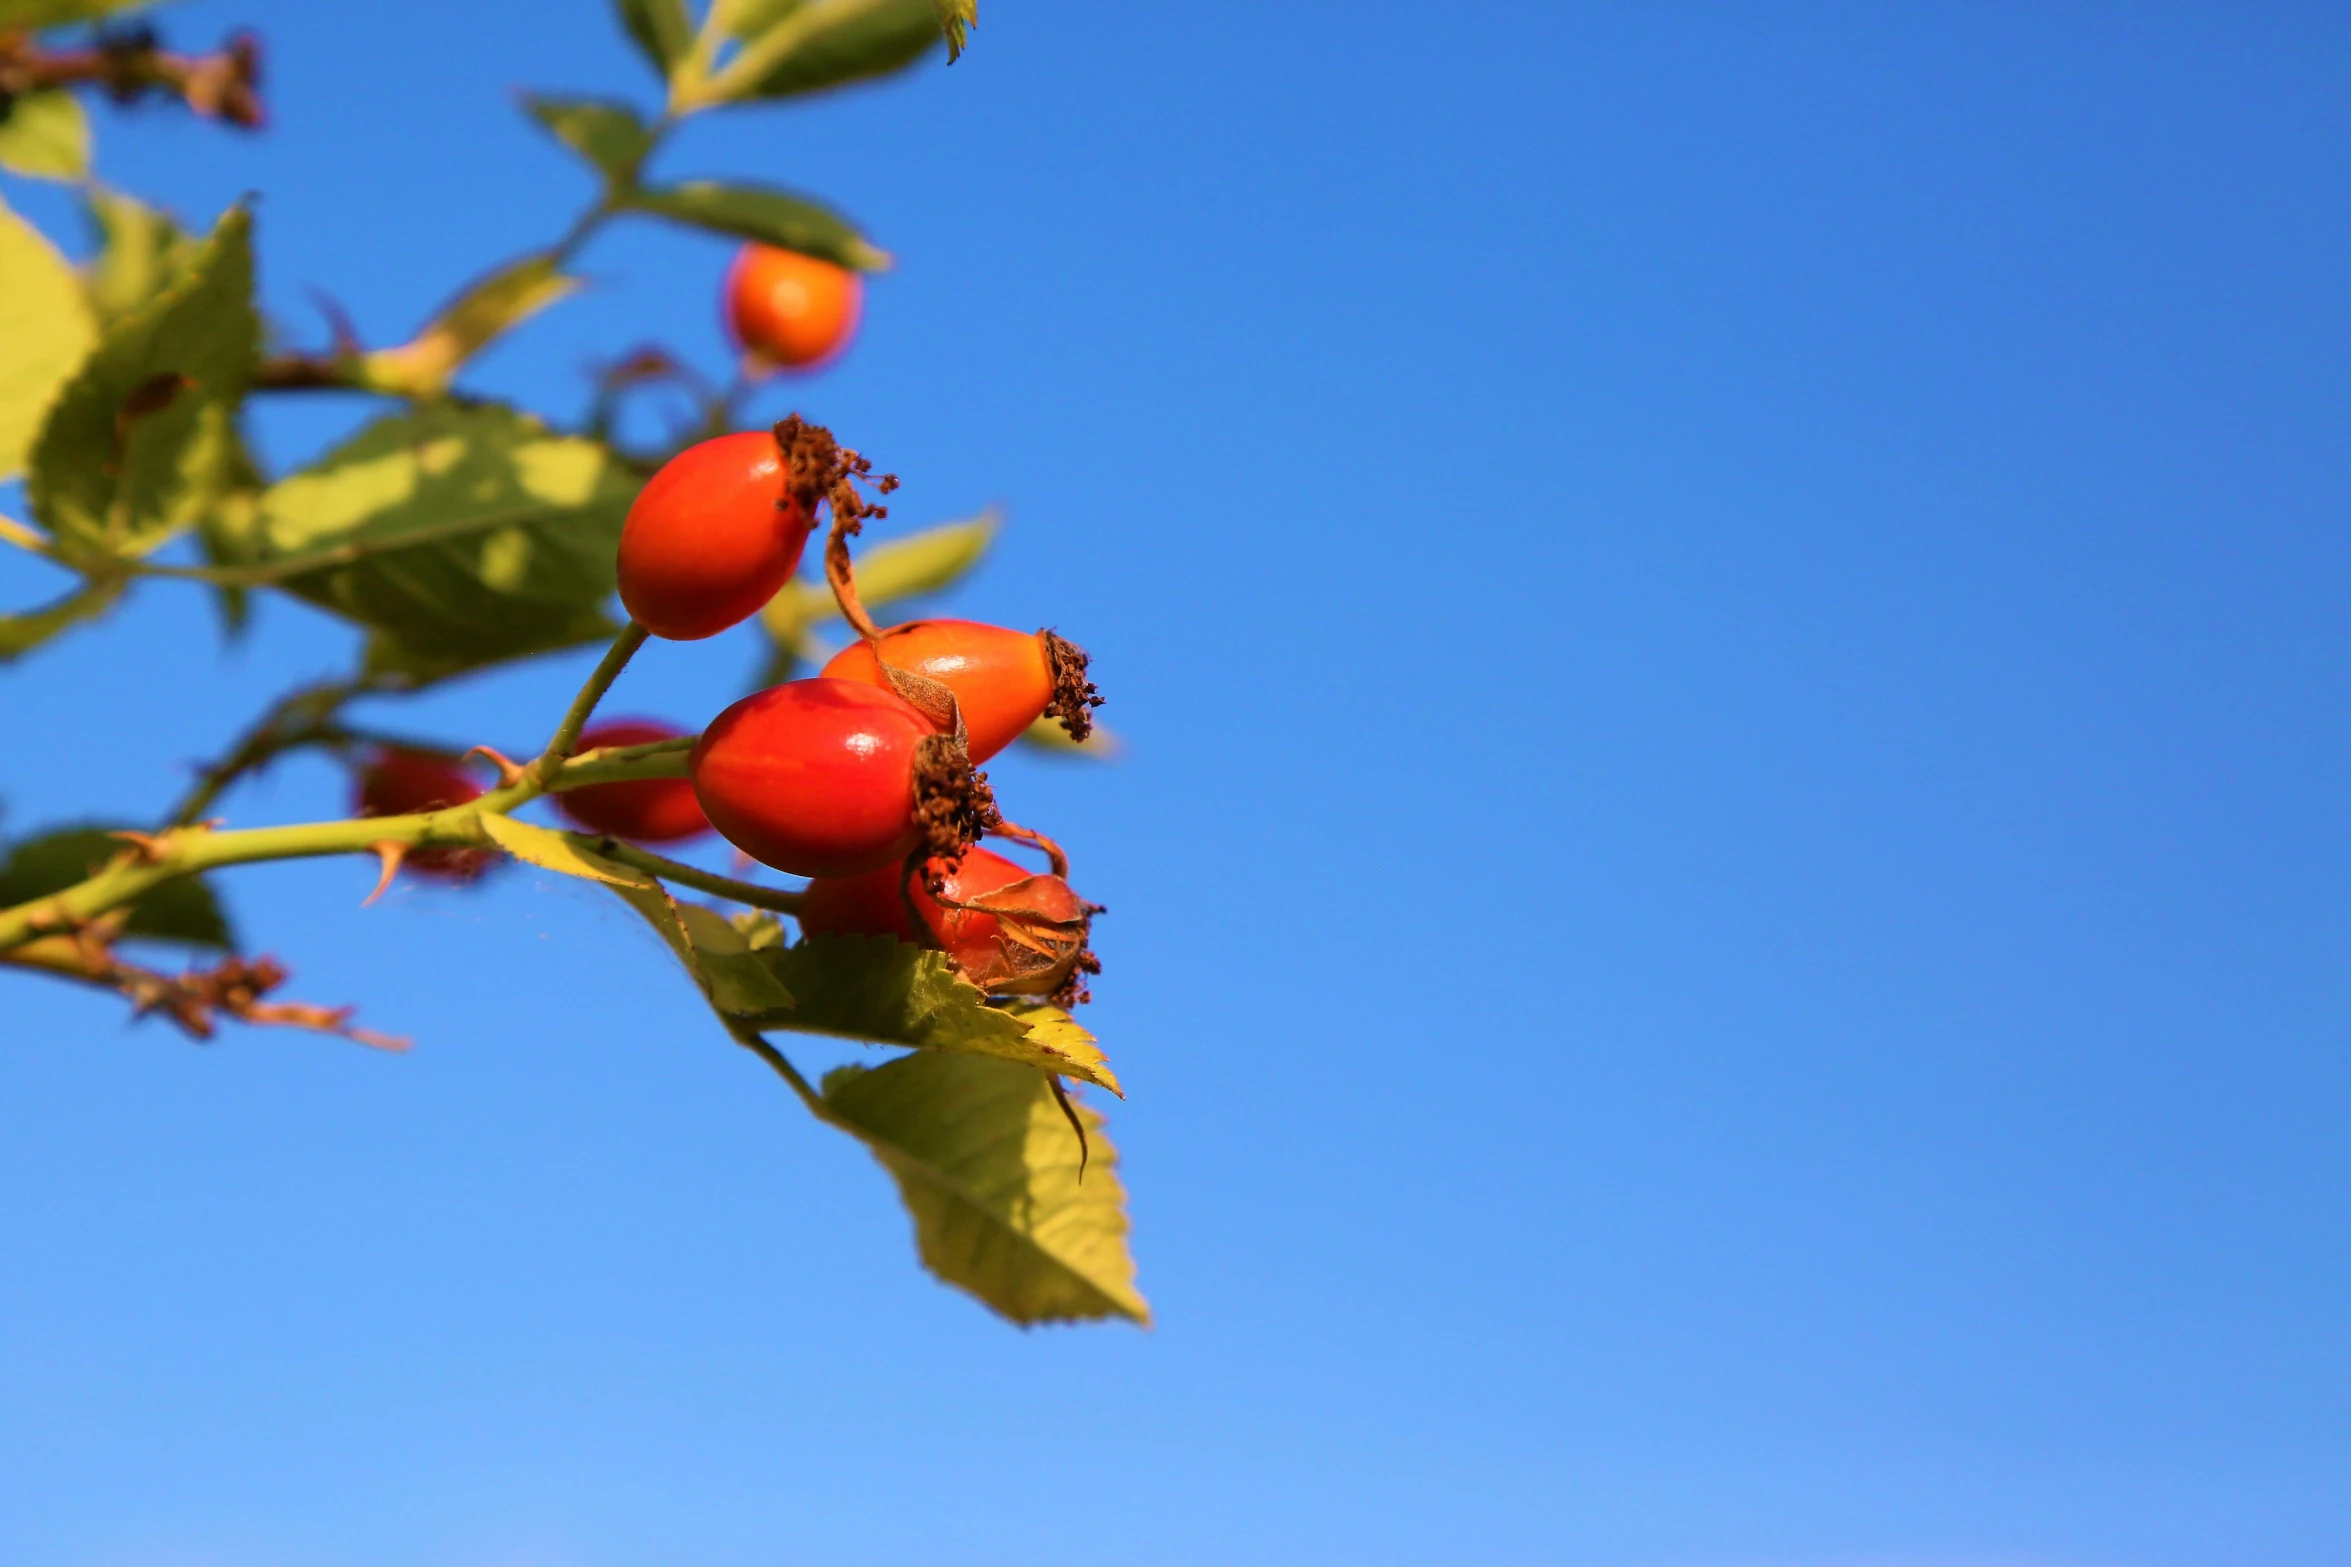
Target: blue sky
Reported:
point(1728, 896)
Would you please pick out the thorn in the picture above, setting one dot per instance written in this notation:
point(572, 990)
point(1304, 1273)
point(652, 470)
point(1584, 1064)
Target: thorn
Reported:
point(391, 854)
point(150, 845)
point(346, 336)
point(509, 772)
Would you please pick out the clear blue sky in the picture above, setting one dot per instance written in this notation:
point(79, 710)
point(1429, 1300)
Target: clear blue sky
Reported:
point(1729, 924)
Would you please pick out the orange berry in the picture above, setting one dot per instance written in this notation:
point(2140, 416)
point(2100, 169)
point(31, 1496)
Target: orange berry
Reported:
point(790, 311)
point(1004, 680)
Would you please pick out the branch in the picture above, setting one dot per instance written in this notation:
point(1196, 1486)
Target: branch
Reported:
point(131, 63)
point(233, 987)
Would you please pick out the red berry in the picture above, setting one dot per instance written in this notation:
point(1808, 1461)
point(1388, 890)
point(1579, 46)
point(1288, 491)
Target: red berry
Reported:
point(829, 778)
point(790, 311)
point(399, 782)
point(1010, 930)
point(1004, 680)
point(647, 810)
point(711, 537)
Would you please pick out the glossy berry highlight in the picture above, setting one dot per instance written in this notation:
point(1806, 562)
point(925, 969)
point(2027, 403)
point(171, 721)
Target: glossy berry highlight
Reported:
point(831, 777)
point(643, 810)
point(1003, 680)
point(788, 311)
point(398, 782)
point(711, 537)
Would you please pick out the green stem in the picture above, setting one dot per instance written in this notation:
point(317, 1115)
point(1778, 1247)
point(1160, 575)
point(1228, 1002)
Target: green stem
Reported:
point(751, 893)
point(567, 734)
point(188, 850)
point(751, 1039)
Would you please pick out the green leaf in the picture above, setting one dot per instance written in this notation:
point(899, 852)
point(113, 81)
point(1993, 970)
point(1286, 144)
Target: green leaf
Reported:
point(33, 15)
point(183, 909)
point(820, 44)
point(772, 217)
point(45, 135)
point(140, 251)
point(889, 992)
point(482, 311)
point(723, 958)
point(956, 18)
point(460, 534)
point(609, 135)
point(920, 563)
point(662, 30)
point(45, 332)
point(132, 450)
point(20, 634)
point(989, 1169)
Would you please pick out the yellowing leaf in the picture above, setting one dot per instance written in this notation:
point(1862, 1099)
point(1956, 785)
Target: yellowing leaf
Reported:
point(484, 311)
point(137, 443)
point(45, 331)
point(46, 135)
point(566, 853)
point(989, 1169)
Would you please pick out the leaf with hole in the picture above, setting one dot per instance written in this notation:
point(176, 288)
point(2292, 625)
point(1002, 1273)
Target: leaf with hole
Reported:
point(990, 1170)
point(137, 443)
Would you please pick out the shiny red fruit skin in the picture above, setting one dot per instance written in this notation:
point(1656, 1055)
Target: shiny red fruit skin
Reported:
point(815, 777)
point(1002, 679)
point(870, 905)
point(649, 810)
point(400, 783)
point(711, 537)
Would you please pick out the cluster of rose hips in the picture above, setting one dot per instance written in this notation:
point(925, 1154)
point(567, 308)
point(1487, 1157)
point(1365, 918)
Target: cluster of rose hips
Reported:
point(862, 778)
